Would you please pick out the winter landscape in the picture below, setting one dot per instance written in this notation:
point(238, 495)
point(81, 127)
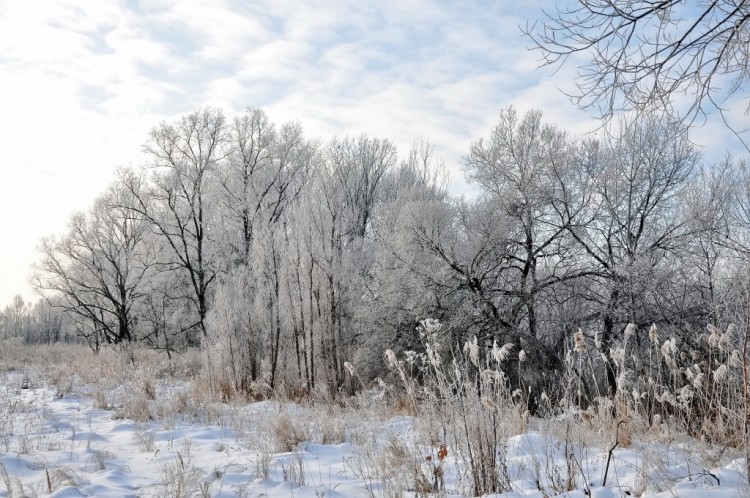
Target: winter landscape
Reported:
point(252, 274)
point(140, 425)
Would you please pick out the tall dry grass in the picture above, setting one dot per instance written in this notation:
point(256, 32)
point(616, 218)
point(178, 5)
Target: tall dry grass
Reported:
point(461, 410)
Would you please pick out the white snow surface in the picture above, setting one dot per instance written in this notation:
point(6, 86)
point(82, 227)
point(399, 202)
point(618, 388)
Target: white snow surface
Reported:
point(65, 447)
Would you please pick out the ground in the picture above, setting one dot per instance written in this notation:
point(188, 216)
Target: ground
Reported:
point(73, 438)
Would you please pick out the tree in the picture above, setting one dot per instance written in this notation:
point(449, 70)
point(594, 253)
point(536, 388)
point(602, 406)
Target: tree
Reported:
point(17, 317)
point(357, 167)
point(244, 178)
point(176, 202)
point(509, 252)
point(47, 323)
point(710, 202)
point(98, 267)
point(340, 209)
point(264, 173)
point(640, 54)
point(400, 289)
point(720, 210)
point(516, 169)
point(235, 351)
point(625, 214)
point(270, 183)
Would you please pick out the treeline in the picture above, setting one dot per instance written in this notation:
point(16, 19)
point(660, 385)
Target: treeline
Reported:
point(294, 261)
point(35, 323)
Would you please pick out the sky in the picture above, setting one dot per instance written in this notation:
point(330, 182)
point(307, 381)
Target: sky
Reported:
point(82, 82)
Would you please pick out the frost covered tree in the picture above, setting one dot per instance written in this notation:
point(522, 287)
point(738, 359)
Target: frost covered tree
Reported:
point(287, 259)
point(46, 323)
point(261, 181)
point(516, 169)
point(15, 319)
point(176, 199)
point(264, 172)
point(719, 213)
point(706, 254)
point(343, 204)
point(506, 252)
point(400, 287)
point(625, 213)
point(235, 351)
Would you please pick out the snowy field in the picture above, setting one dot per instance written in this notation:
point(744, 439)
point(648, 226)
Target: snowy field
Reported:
point(79, 441)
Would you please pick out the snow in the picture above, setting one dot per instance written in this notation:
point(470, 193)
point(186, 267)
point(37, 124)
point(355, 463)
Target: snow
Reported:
point(66, 447)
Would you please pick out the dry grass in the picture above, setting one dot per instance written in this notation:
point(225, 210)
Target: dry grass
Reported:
point(125, 380)
point(468, 401)
point(463, 406)
point(289, 432)
point(180, 478)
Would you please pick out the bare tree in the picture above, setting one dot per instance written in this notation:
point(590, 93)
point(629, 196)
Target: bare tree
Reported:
point(357, 166)
point(264, 173)
point(710, 202)
point(235, 350)
point(395, 290)
point(245, 177)
point(737, 235)
point(98, 267)
point(638, 54)
point(518, 252)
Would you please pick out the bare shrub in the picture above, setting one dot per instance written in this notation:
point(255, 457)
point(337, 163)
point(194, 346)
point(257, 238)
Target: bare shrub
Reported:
point(98, 459)
point(148, 389)
point(6, 479)
point(332, 430)
point(178, 479)
point(134, 404)
point(263, 464)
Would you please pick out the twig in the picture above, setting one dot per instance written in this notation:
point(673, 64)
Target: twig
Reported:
point(609, 456)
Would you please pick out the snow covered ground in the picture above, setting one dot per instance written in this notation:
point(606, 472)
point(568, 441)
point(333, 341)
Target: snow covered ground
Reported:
point(64, 446)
